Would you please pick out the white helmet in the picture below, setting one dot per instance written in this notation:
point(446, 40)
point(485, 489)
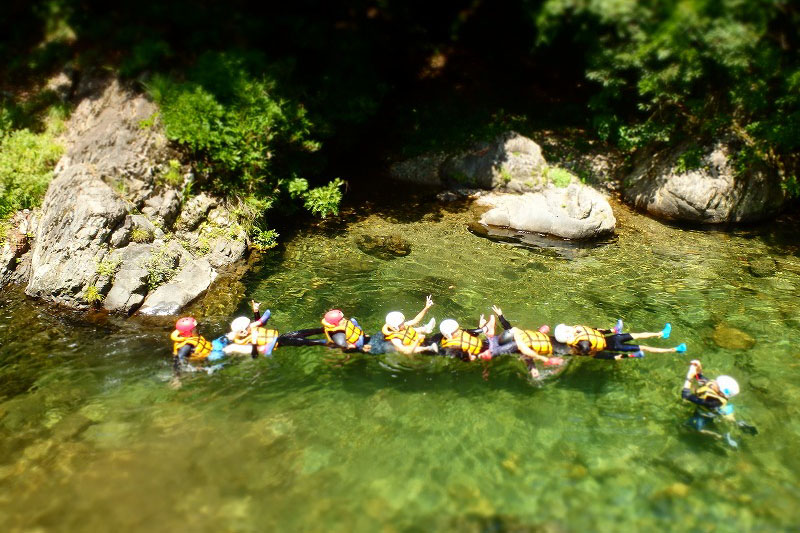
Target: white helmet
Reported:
point(564, 333)
point(395, 319)
point(728, 386)
point(240, 324)
point(448, 327)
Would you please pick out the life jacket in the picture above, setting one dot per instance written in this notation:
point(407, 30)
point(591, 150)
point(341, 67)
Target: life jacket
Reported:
point(351, 332)
point(597, 340)
point(464, 342)
point(407, 336)
point(535, 340)
point(706, 392)
point(201, 346)
point(258, 336)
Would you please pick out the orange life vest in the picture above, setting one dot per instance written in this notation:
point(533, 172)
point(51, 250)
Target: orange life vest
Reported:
point(535, 340)
point(351, 332)
point(201, 346)
point(464, 342)
point(597, 341)
point(408, 336)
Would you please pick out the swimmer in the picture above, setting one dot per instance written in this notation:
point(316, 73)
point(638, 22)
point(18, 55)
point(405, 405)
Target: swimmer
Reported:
point(532, 345)
point(402, 334)
point(251, 338)
point(598, 343)
point(188, 346)
point(456, 342)
point(712, 400)
point(344, 333)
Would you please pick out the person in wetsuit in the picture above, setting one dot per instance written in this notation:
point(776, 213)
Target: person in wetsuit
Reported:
point(344, 333)
point(712, 400)
point(188, 346)
point(252, 338)
point(404, 336)
point(459, 343)
point(606, 344)
point(531, 345)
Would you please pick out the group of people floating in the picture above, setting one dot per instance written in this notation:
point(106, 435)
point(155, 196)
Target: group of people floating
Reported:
point(253, 338)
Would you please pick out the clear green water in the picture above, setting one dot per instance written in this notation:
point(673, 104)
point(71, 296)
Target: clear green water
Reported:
point(92, 438)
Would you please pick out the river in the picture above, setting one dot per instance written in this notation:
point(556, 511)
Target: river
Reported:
point(93, 438)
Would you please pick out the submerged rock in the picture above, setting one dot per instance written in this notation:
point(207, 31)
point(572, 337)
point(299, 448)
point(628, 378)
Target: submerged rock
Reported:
point(726, 336)
point(715, 192)
point(383, 246)
point(575, 212)
point(762, 267)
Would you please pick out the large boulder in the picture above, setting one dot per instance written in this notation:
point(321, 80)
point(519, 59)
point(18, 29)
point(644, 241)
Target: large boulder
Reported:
point(713, 193)
point(574, 212)
point(511, 163)
point(110, 230)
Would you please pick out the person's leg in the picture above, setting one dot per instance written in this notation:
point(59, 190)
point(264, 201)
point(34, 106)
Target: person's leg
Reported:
point(300, 338)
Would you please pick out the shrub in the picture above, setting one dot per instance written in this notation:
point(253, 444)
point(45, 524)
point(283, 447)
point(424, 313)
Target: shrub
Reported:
point(161, 267)
point(108, 267)
point(324, 201)
point(26, 167)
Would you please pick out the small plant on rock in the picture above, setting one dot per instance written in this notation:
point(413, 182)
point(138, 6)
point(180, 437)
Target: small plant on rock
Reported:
point(141, 235)
point(92, 295)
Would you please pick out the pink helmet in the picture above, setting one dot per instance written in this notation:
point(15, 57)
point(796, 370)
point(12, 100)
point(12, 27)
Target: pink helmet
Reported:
point(185, 325)
point(334, 316)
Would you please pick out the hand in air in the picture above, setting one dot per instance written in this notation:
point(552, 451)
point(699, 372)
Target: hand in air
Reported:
point(255, 305)
point(497, 310)
point(428, 302)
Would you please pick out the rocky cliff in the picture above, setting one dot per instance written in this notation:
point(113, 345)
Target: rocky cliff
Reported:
point(116, 229)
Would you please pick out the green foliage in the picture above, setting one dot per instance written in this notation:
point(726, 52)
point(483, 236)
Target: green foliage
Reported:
point(690, 159)
point(141, 235)
point(559, 176)
point(324, 201)
point(92, 295)
point(161, 267)
point(505, 175)
point(264, 239)
point(792, 186)
point(26, 167)
point(172, 176)
point(664, 71)
point(297, 188)
point(108, 266)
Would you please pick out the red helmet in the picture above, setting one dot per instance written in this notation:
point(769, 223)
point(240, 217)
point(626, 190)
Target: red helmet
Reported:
point(185, 325)
point(544, 329)
point(334, 316)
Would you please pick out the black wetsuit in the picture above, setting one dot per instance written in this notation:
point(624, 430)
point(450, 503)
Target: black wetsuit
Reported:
point(453, 351)
point(507, 344)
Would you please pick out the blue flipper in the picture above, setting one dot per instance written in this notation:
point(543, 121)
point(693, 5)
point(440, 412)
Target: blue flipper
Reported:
point(666, 331)
point(681, 348)
point(618, 326)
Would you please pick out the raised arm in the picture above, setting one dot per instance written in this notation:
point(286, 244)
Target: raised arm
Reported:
point(417, 319)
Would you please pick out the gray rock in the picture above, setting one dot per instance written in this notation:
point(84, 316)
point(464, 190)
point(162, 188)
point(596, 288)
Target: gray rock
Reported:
point(575, 212)
point(130, 282)
point(714, 193)
point(122, 235)
point(420, 170)
point(77, 213)
point(511, 163)
point(17, 244)
point(171, 297)
point(195, 212)
point(225, 251)
point(163, 207)
point(143, 223)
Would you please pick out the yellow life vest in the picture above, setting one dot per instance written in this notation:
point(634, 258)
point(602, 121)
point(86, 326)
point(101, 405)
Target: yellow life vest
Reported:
point(351, 332)
point(201, 346)
point(464, 342)
point(704, 393)
point(407, 336)
point(597, 340)
point(258, 336)
point(535, 340)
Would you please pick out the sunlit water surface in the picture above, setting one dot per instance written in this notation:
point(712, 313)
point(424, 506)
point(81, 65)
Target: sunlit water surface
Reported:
point(92, 438)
